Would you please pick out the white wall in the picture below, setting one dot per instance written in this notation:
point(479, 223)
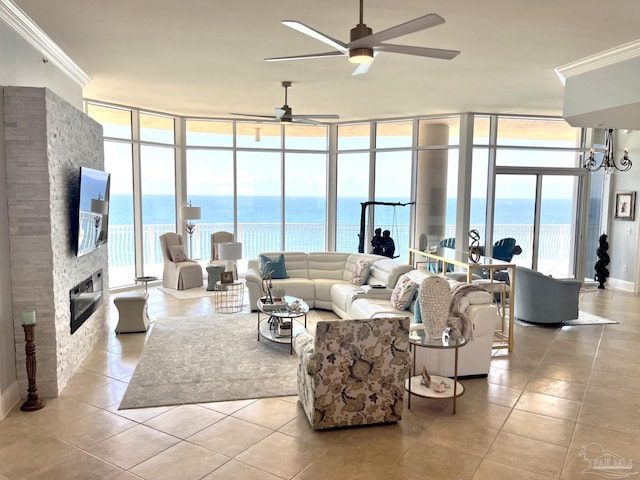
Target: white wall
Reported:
point(623, 234)
point(20, 65)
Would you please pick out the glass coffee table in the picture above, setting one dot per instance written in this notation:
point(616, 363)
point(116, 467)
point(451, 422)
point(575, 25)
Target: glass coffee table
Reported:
point(274, 318)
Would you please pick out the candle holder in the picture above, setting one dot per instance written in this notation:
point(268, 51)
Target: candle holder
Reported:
point(33, 402)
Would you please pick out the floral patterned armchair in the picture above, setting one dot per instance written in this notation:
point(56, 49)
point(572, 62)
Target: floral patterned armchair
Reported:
point(353, 371)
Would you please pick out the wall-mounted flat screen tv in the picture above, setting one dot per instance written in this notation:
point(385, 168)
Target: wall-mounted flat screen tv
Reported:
point(93, 210)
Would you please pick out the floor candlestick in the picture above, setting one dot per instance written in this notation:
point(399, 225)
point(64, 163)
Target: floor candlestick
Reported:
point(33, 402)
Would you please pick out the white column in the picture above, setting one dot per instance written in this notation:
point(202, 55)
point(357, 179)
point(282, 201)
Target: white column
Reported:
point(431, 186)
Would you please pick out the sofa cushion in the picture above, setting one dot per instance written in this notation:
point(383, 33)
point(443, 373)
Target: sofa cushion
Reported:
point(386, 272)
point(297, 287)
point(403, 293)
point(374, 307)
point(277, 265)
point(326, 265)
point(177, 254)
point(323, 292)
point(361, 271)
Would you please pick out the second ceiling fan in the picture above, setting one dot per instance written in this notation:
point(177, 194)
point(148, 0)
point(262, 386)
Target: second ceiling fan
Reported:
point(285, 115)
point(365, 44)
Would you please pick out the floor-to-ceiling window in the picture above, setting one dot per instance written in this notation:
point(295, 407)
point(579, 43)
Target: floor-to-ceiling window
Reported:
point(537, 189)
point(157, 187)
point(210, 180)
point(269, 183)
point(305, 187)
point(118, 150)
point(353, 165)
point(393, 182)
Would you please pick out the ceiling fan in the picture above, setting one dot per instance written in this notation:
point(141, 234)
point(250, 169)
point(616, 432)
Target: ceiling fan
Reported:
point(285, 115)
point(365, 44)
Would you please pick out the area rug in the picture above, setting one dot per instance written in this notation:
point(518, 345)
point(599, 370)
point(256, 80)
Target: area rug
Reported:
point(209, 359)
point(190, 293)
point(585, 318)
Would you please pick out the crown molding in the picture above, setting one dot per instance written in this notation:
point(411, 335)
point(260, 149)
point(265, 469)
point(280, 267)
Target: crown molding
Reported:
point(599, 60)
point(13, 16)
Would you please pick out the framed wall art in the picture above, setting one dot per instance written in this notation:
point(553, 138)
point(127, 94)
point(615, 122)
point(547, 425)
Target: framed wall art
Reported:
point(625, 205)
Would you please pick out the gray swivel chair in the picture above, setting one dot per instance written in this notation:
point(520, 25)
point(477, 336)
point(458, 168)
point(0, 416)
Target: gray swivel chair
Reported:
point(543, 299)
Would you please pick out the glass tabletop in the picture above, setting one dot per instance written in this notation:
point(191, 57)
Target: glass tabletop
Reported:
point(146, 279)
point(460, 258)
point(421, 339)
point(292, 307)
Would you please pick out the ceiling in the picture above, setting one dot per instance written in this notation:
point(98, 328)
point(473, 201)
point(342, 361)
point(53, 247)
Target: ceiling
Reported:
point(205, 57)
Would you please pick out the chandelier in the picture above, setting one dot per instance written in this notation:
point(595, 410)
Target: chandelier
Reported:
point(608, 162)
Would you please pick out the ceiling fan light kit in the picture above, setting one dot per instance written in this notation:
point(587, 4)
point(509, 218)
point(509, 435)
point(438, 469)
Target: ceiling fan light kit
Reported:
point(360, 54)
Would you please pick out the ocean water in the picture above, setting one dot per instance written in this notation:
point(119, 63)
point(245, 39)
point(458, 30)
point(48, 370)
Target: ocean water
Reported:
point(159, 209)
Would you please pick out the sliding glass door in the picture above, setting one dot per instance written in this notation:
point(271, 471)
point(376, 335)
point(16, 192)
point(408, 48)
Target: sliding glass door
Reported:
point(539, 210)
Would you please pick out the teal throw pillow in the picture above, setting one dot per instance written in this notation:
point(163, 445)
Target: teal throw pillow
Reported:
point(417, 316)
point(277, 265)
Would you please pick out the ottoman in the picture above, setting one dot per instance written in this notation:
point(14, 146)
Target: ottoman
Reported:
point(132, 312)
point(213, 272)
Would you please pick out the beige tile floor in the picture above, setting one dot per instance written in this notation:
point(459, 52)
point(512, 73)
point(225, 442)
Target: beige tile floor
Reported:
point(561, 392)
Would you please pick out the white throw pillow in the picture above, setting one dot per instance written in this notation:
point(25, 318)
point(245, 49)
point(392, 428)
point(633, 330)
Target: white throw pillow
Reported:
point(403, 293)
point(361, 272)
point(177, 254)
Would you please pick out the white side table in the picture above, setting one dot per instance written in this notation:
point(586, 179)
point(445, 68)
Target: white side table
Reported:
point(420, 339)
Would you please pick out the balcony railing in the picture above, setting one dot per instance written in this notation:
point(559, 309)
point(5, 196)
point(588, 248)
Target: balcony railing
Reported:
point(554, 247)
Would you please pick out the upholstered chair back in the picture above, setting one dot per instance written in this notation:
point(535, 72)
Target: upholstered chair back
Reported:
point(353, 371)
point(167, 240)
point(219, 237)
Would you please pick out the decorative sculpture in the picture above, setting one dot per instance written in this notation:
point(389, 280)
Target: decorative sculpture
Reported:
point(474, 246)
point(267, 285)
point(603, 260)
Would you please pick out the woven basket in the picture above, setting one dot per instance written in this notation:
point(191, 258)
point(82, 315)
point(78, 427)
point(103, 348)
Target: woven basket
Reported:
point(434, 296)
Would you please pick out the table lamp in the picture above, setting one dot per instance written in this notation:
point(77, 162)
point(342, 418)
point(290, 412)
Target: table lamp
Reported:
point(230, 252)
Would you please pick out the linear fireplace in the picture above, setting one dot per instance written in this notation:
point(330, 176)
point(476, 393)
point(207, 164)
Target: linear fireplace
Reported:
point(85, 298)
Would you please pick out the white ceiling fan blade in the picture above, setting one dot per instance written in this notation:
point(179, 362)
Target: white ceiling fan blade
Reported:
point(305, 120)
point(252, 115)
point(418, 51)
point(302, 28)
point(362, 68)
point(303, 57)
point(415, 25)
point(308, 115)
point(280, 112)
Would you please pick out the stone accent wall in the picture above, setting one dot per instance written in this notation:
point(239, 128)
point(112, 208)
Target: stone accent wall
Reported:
point(47, 140)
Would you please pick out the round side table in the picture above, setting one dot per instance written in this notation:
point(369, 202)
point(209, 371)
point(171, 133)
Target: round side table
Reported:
point(229, 297)
point(146, 281)
point(453, 388)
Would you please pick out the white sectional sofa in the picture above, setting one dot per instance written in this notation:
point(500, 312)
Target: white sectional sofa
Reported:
point(323, 280)
point(474, 358)
point(312, 277)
